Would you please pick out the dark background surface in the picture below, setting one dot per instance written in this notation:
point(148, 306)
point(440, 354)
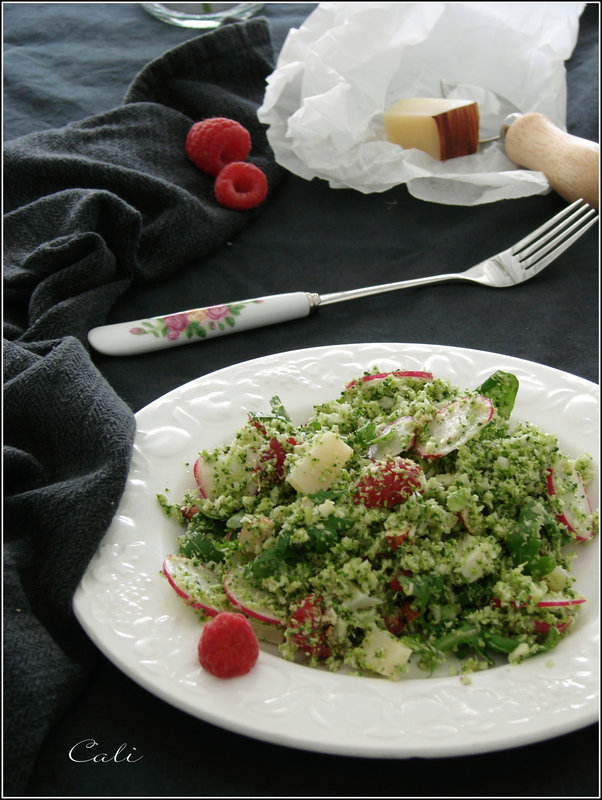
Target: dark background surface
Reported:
point(64, 62)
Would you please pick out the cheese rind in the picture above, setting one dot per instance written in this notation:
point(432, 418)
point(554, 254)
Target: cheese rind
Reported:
point(441, 127)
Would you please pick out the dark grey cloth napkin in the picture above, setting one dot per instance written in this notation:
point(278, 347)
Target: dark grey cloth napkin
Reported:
point(91, 209)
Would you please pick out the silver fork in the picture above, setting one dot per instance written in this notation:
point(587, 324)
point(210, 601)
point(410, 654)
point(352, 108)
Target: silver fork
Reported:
point(517, 264)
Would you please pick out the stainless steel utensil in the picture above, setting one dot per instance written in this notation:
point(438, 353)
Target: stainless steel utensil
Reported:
point(515, 265)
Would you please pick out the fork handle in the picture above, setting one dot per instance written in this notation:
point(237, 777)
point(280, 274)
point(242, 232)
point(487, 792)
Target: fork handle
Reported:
point(570, 163)
point(184, 327)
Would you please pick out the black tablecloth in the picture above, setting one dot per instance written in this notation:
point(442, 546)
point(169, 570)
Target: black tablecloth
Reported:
point(73, 65)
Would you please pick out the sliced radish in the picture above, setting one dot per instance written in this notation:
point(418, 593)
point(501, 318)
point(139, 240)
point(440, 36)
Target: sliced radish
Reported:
point(404, 373)
point(389, 482)
point(248, 599)
point(453, 426)
point(216, 477)
point(394, 438)
point(560, 602)
point(203, 475)
point(313, 634)
point(396, 538)
point(194, 583)
point(270, 464)
point(565, 484)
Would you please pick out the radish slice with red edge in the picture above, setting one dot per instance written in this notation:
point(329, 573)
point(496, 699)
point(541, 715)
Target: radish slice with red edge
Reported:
point(453, 425)
point(393, 439)
point(404, 373)
point(247, 598)
point(203, 476)
point(565, 484)
point(194, 583)
point(560, 602)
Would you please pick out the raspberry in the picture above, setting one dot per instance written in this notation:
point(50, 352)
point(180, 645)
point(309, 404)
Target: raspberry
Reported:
point(213, 143)
point(240, 186)
point(228, 646)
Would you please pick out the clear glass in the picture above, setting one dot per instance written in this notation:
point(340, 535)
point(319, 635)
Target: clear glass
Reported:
point(200, 15)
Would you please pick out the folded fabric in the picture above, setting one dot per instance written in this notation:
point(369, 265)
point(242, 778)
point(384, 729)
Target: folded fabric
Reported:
point(98, 204)
point(92, 209)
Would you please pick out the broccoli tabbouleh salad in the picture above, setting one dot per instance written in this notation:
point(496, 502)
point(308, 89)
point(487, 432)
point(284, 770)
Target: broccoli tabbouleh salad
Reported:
point(405, 522)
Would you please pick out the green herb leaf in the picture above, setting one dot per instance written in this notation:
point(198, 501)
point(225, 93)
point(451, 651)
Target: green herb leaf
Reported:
point(501, 388)
point(421, 587)
point(278, 409)
point(267, 562)
point(365, 435)
point(464, 634)
point(524, 542)
point(501, 644)
point(551, 640)
point(325, 534)
point(197, 544)
point(201, 523)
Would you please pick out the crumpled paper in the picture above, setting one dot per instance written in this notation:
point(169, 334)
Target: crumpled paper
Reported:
point(348, 62)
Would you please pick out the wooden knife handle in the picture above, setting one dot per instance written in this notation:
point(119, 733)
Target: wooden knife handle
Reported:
point(570, 164)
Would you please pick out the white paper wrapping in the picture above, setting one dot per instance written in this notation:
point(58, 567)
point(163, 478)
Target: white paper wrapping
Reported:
point(348, 62)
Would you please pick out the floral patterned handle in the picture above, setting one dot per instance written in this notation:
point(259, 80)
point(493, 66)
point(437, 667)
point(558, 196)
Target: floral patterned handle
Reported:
point(184, 327)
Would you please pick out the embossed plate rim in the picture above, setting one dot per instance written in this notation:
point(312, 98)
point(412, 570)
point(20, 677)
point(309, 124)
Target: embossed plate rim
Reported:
point(138, 622)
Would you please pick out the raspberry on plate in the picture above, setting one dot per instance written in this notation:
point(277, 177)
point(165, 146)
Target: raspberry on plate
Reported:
point(228, 645)
point(213, 143)
point(240, 186)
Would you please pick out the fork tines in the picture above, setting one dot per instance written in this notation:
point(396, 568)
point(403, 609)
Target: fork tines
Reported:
point(556, 235)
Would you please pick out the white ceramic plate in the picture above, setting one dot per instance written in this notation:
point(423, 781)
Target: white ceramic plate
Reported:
point(136, 619)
